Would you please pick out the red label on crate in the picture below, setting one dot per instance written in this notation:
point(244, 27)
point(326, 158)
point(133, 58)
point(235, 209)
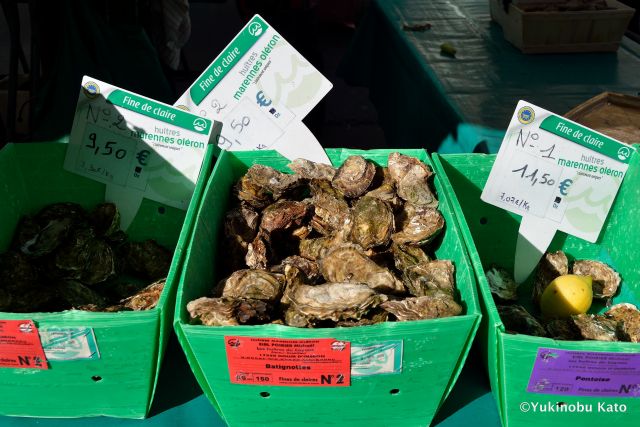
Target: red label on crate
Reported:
point(20, 345)
point(273, 361)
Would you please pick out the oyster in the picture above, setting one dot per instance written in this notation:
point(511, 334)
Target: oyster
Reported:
point(405, 256)
point(254, 284)
point(42, 240)
point(426, 277)
point(595, 327)
point(434, 305)
point(377, 315)
point(101, 262)
point(282, 215)
point(347, 263)
point(73, 256)
point(309, 268)
point(354, 177)
point(275, 182)
point(628, 318)
point(563, 329)
point(314, 249)
point(331, 301)
point(331, 211)
point(76, 294)
point(35, 299)
point(605, 279)
point(17, 273)
point(311, 170)
point(241, 222)
point(373, 223)
point(148, 259)
point(386, 191)
point(517, 319)
point(213, 311)
point(418, 225)
point(252, 194)
point(502, 284)
point(147, 298)
point(105, 219)
point(109, 309)
point(412, 180)
point(550, 266)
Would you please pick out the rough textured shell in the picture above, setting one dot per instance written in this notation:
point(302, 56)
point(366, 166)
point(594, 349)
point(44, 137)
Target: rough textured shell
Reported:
point(411, 177)
point(563, 329)
point(595, 327)
point(517, 319)
point(418, 225)
point(425, 307)
point(311, 170)
point(148, 259)
point(213, 311)
point(273, 181)
point(314, 249)
point(628, 318)
point(502, 284)
point(373, 223)
point(331, 211)
point(283, 214)
point(333, 301)
point(354, 176)
point(386, 191)
point(606, 280)
point(426, 277)
point(348, 263)
point(405, 256)
point(105, 219)
point(101, 262)
point(550, 266)
point(309, 268)
point(73, 256)
point(147, 298)
point(251, 193)
point(257, 256)
point(254, 284)
point(17, 273)
point(76, 294)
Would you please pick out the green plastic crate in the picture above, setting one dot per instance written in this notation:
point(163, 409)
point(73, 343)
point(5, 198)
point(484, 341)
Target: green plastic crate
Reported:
point(131, 344)
point(490, 234)
point(434, 350)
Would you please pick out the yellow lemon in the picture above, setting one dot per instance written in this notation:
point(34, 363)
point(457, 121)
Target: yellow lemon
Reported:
point(566, 295)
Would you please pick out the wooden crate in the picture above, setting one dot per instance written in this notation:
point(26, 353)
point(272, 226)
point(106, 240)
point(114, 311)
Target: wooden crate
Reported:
point(562, 32)
point(614, 114)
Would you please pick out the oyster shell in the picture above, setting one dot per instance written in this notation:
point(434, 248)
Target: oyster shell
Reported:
point(105, 219)
point(377, 315)
point(275, 182)
point(563, 329)
point(73, 256)
point(148, 259)
point(434, 305)
point(42, 240)
point(17, 273)
point(311, 170)
point(101, 262)
point(254, 284)
point(605, 279)
point(628, 318)
point(426, 277)
point(595, 327)
point(257, 256)
point(412, 180)
point(331, 301)
point(386, 191)
point(347, 263)
point(254, 195)
point(213, 311)
point(309, 268)
point(109, 309)
point(241, 222)
point(282, 215)
point(35, 299)
point(147, 298)
point(373, 223)
point(314, 249)
point(550, 266)
point(418, 225)
point(517, 319)
point(354, 177)
point(331, 211)
point(502, 284)
point(76, 294)
point(405, 256)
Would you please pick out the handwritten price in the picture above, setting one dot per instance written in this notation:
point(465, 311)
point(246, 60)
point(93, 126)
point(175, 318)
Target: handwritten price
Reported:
point(107, 149)
point(533, 176)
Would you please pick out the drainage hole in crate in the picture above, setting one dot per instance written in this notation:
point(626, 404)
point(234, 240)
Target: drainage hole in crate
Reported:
point(394, 391)
point(161, 210)
point(483, 220)
point(265, 394)
point(96, 378)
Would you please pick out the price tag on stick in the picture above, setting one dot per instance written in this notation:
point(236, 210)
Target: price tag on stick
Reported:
point(557, 174)
point(138, 147)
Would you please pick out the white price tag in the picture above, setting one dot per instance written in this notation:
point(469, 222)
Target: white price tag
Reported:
point(261, 88)
point(557, 174)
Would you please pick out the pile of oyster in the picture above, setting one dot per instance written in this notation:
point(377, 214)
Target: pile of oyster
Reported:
point(66, 258)
point(326, 247)
point(620, 322)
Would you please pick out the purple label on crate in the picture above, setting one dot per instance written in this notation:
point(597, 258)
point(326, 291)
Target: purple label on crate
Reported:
point(585, 373)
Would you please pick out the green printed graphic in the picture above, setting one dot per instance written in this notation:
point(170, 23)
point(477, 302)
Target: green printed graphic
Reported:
point(587, 138)
point(587, 212)
point(158, 111)
point(228, 59)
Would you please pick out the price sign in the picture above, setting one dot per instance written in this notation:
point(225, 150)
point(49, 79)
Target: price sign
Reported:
point(137, 146)
point(20, 345)
point(261, 88)
point(557, 174)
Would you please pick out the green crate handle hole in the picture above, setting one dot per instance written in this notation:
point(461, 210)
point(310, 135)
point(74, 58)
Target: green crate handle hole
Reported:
point(265, 394)
point(394, 391)
point(161, 210)
point(484, 220)
point(96, 378)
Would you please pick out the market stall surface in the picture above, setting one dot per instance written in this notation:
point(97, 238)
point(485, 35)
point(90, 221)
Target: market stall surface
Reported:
point(422, 95)
point(180, 402)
